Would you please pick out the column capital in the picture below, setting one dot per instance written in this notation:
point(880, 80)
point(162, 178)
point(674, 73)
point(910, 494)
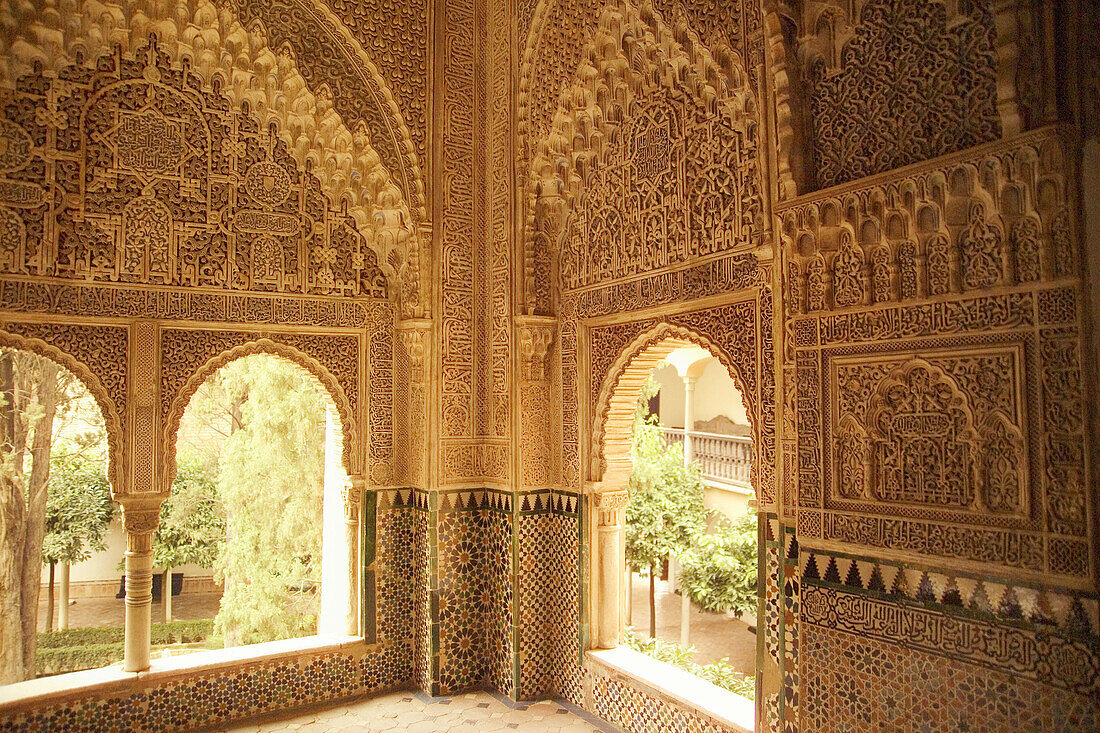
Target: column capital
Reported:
point(415, 333)
point(352, 493)
point(536, 334)
point(610, 506)
point(141, 515)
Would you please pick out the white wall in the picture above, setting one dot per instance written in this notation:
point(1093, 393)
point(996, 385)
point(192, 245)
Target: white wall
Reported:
point(715, 394)
point(102, 567)
point(672, 396)
point(335, 581)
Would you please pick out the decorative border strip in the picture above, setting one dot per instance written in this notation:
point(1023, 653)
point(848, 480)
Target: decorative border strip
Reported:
point(1050, 659)
point(971, 595)
point(119, 302)
point(409, 498)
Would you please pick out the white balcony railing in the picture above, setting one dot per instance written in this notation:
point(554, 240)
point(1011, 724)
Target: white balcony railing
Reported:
point(725, 458)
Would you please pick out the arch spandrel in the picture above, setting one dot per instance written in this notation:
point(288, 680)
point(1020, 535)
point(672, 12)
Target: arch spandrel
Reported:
point(323, 380)
point(110, 397)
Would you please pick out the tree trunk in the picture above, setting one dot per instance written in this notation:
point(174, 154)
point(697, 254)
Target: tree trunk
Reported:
point(629, 596)
point(166, 589)
point(49, 599)
point(63, 601)
point(12, 517)
point(232, 635)
point(652, 601)
point(36, 510)
point(685, 617)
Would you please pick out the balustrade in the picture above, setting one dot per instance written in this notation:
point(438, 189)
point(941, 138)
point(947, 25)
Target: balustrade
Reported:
point(725, 458)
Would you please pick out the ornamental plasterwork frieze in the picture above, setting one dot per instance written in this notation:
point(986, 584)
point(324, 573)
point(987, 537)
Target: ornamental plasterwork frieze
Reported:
point(935, 320)
point(113, 301)
point(996, 216)
point(160, 185)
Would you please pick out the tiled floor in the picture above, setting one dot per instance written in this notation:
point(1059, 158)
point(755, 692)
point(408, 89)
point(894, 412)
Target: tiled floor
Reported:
point(415, 713)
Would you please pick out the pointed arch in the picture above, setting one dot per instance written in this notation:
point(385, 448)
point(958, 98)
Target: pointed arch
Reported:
point(630, 50)
point(210, 42)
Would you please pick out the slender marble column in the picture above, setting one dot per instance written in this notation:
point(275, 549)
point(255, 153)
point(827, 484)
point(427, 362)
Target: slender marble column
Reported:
point(353, 497)
point(140, 520)
point(609, 537)
point(689, 417)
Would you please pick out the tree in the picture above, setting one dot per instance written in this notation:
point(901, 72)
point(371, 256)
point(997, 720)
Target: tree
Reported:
point(665, 512)
point(29, 386)
point(270, 483)
point(192, 525)
point(720, 572)
point(78, 510)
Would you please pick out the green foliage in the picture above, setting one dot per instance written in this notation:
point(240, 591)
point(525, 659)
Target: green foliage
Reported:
point(79, 507)
point(192, 521)
point(56, 660)
point(173, 632)
point(723, 674)
point(89, 647)
point(719, 572)
point(662, 651)
point(271, 484)
point(720, 673)
point(665, 513)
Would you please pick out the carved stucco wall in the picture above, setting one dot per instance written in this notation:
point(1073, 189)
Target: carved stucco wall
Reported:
point(946, 309)
point(935, 319)
point(626, 192)
point(174, 195)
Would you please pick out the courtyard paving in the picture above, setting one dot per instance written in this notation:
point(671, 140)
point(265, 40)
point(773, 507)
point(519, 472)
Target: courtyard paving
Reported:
point(416, 713)
point(714, 635)
point(99, 612)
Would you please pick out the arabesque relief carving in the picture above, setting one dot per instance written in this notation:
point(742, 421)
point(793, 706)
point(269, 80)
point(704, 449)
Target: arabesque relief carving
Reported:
point(915, 432)
point(998, 217)
point(935, 325)
point(885, 59)
point(642, 171)
point(164, 168)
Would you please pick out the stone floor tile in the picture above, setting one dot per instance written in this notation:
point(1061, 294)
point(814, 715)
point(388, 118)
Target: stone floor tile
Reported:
point(472, 712)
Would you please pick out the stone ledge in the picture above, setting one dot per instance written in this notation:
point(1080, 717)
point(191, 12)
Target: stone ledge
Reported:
point(664, 681)
point(47, 690)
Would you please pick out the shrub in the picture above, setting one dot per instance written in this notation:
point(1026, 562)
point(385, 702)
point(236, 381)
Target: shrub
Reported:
point(720, 571)
point(720, 673)
point(87, 648)
point(182, 632)
point(80, 637)
point(173, 632)
point(56, 660)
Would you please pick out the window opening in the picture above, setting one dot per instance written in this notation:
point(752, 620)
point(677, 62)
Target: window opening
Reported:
point(690, 527)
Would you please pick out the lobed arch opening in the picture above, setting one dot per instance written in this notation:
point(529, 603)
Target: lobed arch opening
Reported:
point(612, 463)
point(337, 496)
point(613, 421)
point(323, 381)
